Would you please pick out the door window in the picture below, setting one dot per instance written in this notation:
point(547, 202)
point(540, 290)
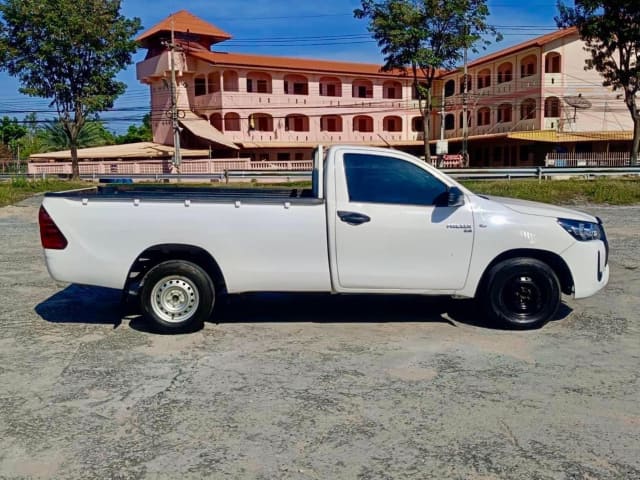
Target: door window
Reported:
point(378, 179)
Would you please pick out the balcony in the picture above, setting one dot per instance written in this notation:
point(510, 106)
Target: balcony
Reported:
point(152, 68)
point(205, 102)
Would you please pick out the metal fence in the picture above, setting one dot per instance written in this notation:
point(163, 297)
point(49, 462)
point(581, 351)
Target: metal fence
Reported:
point(587, 159)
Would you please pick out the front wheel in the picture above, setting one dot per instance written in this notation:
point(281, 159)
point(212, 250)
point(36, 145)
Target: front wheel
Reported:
point(521, 293)
point(177, 296)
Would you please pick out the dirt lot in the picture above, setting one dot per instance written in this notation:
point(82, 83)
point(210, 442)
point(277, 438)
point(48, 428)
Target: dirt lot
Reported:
point(315, 387)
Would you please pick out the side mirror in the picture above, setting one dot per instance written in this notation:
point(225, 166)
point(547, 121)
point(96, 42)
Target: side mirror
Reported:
point(456, 197)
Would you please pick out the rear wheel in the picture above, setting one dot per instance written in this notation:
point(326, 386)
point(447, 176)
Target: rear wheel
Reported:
point(177, 296)
point(521, 293)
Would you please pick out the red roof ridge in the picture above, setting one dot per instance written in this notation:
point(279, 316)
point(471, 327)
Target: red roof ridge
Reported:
point(534, 42)
point(293, 63)
point(183, 22)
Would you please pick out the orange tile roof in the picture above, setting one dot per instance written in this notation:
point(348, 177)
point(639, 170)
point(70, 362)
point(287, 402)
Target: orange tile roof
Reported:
point(289, 63)
point(184, 22)
point(535, 42)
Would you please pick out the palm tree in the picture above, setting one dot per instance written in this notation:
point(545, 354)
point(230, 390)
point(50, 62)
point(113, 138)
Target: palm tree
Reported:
point(92, 134)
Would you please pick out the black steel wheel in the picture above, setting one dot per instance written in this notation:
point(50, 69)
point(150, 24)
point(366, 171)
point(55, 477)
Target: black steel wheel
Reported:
point(177, 296)
point(521, 293)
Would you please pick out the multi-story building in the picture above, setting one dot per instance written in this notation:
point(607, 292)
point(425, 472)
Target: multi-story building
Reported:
point(523, 102)
point(533, 98)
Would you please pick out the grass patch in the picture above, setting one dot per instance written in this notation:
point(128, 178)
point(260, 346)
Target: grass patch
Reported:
point(601, 190)
point(20, 188)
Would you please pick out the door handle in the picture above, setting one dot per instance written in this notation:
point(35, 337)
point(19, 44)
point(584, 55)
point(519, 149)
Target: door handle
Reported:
point(353, 218)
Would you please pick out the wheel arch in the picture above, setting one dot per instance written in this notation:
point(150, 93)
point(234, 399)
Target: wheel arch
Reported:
point(553, 260)
point(157, 254)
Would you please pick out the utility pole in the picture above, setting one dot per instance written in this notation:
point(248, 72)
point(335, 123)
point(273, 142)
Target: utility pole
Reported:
point(442, 114)
point(177, 157)
point(465, 105)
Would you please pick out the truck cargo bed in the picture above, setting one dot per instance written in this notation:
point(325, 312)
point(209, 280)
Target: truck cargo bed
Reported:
point(162, 193)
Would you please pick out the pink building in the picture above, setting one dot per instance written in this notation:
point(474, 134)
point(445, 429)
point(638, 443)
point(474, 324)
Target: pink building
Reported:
point(524, 102)
point(532, 99)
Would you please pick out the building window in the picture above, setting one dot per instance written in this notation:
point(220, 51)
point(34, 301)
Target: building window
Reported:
point(283, 156)
point(450, 88)
point(552, 63)
point(258, 83)
point(362, 89)
point(261, 122)
point(213, 82)
point(484, 117)
point(232, 122)
point(417, 124)
point(200, 86)
point(484, 79)
point(528, 66)
point(392, 124)
point(230, 81)
point(362, 123)
point(296, 85)
point(216, 121)
point(296, 123)
point(392, 89)
point(331, 123)
point(528, 109)
point(505, 113)
point(449, 122)
point(552, 107)
point(330, 87)
point(505, 72)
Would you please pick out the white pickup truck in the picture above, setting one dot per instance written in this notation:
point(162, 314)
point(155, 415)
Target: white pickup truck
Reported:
point(375, 221)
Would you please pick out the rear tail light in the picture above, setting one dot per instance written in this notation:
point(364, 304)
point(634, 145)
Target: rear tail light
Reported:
point(50, 235)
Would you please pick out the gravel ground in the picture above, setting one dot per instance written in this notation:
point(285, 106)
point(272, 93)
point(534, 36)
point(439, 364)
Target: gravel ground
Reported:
point(313, 387)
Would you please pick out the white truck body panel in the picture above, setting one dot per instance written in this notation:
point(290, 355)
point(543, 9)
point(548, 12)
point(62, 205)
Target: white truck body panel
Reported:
point(303, 245)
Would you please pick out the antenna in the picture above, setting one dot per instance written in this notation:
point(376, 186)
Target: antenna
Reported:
point(578, 102)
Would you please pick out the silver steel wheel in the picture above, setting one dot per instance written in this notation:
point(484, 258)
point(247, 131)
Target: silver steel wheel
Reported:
point(175, 299)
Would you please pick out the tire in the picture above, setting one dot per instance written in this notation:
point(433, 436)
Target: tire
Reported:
point(177, 296)
point(521, 293)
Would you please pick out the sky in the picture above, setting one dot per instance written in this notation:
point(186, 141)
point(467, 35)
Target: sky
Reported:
point(309, 29)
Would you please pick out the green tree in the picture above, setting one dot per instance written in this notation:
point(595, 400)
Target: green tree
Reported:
point(69, 51)
point(53, 136)
point(611, 32)
point(137, 133)
point(11, 130)
point(422, 37)
point(31, 142)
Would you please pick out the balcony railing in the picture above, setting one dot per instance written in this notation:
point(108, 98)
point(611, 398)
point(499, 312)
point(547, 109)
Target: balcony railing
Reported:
point(161, 167)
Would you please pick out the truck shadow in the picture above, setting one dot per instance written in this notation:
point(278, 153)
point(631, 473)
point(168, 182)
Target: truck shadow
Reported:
point(94, 305)
point(82, 304)
point(360, 308)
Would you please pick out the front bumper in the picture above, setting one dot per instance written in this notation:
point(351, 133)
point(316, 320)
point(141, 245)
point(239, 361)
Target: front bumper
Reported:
point(589, 266)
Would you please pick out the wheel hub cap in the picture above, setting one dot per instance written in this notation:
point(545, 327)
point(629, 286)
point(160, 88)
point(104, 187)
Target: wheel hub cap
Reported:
point(524, 296)
point(175, 299)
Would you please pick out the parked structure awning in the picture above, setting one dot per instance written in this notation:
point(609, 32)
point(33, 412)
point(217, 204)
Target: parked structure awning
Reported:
point(203, 129)
point(552, 136)
point(127, 151)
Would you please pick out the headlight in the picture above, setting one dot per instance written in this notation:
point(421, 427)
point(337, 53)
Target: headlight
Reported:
point(583, 231)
